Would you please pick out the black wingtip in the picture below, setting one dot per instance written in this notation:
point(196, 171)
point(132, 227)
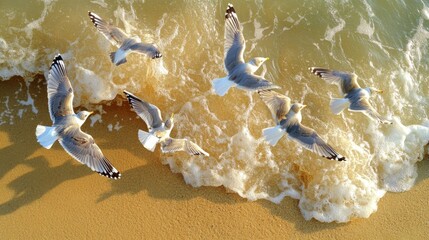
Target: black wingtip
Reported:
point(131, 97)
point(339, 158)
point(111, 175)
point(157, 55)
point(229, 10)
point(128, 94)
point(58, 57)
point(318, 71)
point(94, 18)
point(57, 60)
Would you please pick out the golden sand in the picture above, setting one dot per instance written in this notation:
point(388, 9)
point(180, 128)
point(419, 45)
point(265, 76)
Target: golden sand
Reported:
point(45, 194)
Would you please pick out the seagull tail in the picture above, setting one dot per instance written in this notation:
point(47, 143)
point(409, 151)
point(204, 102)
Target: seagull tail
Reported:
point(113, 59)
point(338, 104)
point(222, 85)
point(46, 136)
point(273, 134)
point(148, 140)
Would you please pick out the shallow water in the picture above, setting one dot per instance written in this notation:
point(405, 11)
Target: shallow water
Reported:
point(384, 43)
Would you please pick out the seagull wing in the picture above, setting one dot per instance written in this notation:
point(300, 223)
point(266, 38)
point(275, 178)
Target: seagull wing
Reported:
point(60, 91)
point(234, 40)
point(83, 148)
point(145, 48)
point(309, 139)
point(363, 105)
point(115, 35)
point(171, 145)
point(150, 114)
point(345, 80)
point(253, 82)
point(278, 104)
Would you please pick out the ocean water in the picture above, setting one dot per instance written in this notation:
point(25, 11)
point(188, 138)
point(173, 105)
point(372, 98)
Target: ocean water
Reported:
point(385, 43)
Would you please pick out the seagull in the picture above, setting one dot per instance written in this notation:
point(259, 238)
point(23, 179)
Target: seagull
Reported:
point(355, 97)
point(288, 118)
point(67, 123)
point(121, 40)
point(159, 131)
point(240, 74)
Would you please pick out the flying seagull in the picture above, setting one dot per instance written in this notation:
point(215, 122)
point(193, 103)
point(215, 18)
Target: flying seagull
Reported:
point(288, 118)
point(121, 40)
point(355, 97)
point(240, 74)
point(159, 131)
point(67, 123)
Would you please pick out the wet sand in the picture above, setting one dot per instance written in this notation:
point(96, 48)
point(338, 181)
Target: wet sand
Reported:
point(45, 194)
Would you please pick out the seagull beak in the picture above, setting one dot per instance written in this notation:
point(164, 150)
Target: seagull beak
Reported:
point(172, 116)
point(90, 113)
point(303, 106)
point(379, 91)
point(266, 59)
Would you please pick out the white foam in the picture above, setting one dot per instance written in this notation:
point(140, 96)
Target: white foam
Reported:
point(29, 101)
point(331, 32)
point(365, 28)
point(397, 153)
point(91, 87)
point(259, 31)
point(101, 3)
point(425, 12)
point(95, 118)
point(117, 126)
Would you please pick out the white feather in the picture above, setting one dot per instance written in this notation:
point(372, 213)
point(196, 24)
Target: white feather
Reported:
point(46, 136)
point(148, 140)
point(222, 85)
point(338, 105)
point(273, 134)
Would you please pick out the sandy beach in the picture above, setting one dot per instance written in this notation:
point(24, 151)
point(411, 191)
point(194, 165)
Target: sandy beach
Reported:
point(45, 194)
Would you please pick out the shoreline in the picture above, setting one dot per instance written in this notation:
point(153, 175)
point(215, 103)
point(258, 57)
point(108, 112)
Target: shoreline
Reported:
point(47, 194)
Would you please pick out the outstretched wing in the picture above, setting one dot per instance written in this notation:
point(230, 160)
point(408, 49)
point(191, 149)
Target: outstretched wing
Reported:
point(346, 81)
point(253, 82)
point(83, 148)
point(362, 105)
point(150, 114)
point(60, 91)
point(278, 104)
point(309, 139)
point(173, 145)
point(115, 35)
point(234, 40)
point(145, 48)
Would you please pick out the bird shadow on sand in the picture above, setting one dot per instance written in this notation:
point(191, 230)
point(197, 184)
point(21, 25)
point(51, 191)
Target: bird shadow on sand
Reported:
point(33, 185)
point(20, 118)
point(20, 131)
point(159, 182)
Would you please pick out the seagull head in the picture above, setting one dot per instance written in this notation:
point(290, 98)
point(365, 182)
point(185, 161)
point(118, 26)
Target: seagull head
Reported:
point(297, 107)
point(83, 115)
point(294, 114)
